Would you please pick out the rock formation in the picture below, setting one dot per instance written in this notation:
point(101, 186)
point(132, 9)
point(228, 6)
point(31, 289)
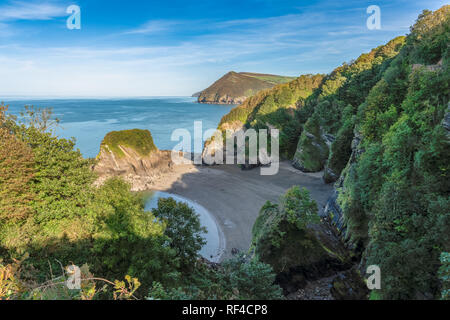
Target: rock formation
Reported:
point(132, 155)
point(313, 148)
point(298, 249)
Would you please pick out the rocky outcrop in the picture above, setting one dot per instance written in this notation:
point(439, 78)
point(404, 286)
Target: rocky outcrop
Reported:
point(312, 149)
point(212, 146)
point(318, 253)
point(138, 168)
point(299, 252)
point(329, 176)
point(349, 285)
point(333, 210)
point(431, 67)
point(221, 99)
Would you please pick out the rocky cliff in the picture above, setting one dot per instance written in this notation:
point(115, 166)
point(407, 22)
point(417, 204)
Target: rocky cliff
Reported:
point(132, 155)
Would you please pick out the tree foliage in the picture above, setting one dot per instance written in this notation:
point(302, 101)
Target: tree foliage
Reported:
point(183, 228)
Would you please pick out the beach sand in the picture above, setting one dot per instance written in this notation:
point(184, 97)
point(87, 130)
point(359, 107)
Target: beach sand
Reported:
point(234, 197)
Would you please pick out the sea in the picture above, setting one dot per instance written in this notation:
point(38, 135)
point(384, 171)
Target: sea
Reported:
point(89, 120)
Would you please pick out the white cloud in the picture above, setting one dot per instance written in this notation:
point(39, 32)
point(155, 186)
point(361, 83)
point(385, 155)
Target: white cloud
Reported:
point(154, 26)
point(31, 10)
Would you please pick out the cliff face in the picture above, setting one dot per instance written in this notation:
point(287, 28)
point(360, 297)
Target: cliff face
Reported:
point(312, 149)
point(234, 88)
point(120, 156)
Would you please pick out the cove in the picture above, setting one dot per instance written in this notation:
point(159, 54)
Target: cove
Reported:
point(215, 241)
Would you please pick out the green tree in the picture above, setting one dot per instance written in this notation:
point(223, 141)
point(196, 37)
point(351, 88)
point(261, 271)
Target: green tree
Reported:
point(182, 226)
point(251, 280)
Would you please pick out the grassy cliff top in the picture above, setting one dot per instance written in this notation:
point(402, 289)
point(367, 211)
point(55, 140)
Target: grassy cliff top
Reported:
point(139, 140)
point(271, 78)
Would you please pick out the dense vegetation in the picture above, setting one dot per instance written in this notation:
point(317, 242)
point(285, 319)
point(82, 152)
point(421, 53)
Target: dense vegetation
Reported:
point(52, 216)
point(379, 126)
point(394, 187)
point(290, 238)
point(331, 109)
point(395, 194)
point(280, 231)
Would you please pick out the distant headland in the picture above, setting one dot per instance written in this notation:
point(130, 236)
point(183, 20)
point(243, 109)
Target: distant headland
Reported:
point(235, 87)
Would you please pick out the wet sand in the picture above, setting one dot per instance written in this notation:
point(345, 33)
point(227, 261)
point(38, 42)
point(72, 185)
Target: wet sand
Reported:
point(234, 197)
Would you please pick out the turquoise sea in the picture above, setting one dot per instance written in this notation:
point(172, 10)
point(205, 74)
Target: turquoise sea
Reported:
point(88, 120)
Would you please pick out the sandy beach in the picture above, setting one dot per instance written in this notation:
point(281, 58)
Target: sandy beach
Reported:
point(234, 197)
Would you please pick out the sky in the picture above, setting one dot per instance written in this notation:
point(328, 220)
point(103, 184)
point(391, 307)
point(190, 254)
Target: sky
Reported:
point(175, 48)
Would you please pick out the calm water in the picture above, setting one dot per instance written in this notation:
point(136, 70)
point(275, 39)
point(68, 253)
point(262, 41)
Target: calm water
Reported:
point(88, 120)
point(213, 248)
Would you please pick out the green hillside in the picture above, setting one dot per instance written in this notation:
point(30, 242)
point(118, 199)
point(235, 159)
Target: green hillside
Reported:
point(234, 88)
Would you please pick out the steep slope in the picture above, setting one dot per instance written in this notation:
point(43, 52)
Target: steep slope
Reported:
point(379, 126)
point(330, 109)
point(392, 200)
point(234, 88)
point(278, 107)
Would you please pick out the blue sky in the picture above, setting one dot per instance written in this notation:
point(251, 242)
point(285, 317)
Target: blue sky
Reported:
point(158, 48)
